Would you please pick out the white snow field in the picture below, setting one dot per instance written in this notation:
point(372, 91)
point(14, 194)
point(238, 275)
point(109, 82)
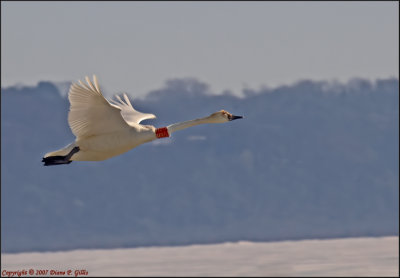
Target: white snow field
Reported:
point(333, 257)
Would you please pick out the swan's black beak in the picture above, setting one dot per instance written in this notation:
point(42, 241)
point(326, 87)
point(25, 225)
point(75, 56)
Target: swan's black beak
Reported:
point(233, 117)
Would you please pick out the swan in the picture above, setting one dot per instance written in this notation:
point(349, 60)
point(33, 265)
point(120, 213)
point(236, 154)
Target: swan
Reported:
point(107, 128)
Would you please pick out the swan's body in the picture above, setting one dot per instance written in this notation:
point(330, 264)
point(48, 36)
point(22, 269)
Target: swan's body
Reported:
point(104, 129)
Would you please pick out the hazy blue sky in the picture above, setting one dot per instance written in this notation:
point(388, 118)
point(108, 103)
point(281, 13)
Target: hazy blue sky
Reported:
point(136, 46)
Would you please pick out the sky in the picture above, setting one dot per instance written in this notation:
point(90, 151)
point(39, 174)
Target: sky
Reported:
point(135, 47)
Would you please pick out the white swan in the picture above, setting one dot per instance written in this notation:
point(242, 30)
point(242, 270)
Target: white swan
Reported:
point(104, 129)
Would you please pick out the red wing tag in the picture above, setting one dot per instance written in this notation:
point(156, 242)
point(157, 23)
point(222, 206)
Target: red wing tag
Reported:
point(162, 132)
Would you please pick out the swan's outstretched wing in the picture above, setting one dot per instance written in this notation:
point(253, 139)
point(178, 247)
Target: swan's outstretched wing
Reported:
point(130, 115)
point(90, 113)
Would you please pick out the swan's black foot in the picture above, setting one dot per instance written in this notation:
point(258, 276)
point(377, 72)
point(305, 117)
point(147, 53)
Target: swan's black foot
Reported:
point(60, 159)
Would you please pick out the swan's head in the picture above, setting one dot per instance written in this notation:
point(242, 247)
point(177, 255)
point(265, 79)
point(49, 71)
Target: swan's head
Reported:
point(222, 117)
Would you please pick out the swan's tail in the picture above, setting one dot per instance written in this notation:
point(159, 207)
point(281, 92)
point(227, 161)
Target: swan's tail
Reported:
point(62, 156)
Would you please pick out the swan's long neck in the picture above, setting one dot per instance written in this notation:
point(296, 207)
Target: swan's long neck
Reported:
point(178, 126)
point(166, 131)
point(217, 117)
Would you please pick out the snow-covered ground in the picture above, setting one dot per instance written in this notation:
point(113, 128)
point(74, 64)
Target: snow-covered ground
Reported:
point(333, 257)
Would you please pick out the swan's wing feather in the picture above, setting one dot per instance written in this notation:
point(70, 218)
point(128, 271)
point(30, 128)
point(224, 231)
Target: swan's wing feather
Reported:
point(130, 115)
point(90, 113)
